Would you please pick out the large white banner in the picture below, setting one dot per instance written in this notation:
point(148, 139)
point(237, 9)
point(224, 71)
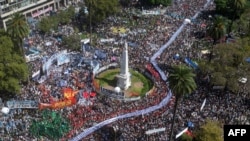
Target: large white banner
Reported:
point(63, 59)
point(54, 58)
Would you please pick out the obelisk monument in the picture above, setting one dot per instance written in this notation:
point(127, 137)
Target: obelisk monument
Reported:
point(124, 80)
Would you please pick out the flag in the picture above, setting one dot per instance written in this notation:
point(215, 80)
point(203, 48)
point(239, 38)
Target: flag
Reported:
point(92, 94)
point(85, 95)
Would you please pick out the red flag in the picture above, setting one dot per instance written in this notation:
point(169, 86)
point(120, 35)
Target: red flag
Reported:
point(85, 95)
point(92, 94)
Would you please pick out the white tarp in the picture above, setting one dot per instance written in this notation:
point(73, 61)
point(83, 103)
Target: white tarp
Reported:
point(203, 104)
point(107, 40)
point(63, 59)
point(53, 58)
point(155, 131)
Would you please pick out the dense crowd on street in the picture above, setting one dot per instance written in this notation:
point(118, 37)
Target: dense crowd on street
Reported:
point(145, 35)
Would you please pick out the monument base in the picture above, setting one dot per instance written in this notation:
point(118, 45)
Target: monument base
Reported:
point(124, 81)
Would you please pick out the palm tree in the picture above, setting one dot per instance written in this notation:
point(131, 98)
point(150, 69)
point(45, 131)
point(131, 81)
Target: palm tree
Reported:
point(181, 82)
point(220, 5)
point(18, 30)
point(216, 31)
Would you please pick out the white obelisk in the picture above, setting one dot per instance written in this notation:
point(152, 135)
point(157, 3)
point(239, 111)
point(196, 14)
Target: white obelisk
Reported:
point(124, 80)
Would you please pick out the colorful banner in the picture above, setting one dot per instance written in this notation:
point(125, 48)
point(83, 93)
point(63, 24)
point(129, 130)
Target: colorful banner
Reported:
point(58, 104)
point(69, 93)
point(153, 71)
point(87, 95)
point(64, 103)
point(63, 59)
point(50, 61)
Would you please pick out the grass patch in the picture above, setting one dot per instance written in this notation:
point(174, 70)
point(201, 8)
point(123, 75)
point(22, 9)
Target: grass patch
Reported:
point(140, 84)
point(108, 77)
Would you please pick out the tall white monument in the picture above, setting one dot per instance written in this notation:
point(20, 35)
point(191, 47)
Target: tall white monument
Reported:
point(124, 80)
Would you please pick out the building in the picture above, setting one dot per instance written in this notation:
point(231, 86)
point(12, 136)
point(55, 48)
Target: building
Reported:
point(29, 8)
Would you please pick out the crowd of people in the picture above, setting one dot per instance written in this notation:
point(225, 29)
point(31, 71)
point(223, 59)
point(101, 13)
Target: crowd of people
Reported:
point(147, 33)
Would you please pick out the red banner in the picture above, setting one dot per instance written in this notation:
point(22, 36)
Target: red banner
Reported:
point(58, 104)
point(64, 103)
point(153, 71)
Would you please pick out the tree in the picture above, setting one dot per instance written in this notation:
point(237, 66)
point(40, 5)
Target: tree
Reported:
point(67, 15)
point(99, 10)
point(18, 30)
point(216, 31)
point(52, 125)
point(126, 3)
point(72, 42)
point(243, 23)
point(218, 79)
point(160, 2)
point(13, 69)
point(237, 4)
point(210, 131)
point(232, 9)
point(181, 82)
point(228, 65)
point(221, 5)
point(46, 24)
point(238, 8)
point(51, 23)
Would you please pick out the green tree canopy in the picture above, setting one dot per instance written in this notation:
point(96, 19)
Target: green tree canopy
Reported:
point(72, 42)
point(13, 68)
point(242, 25)
point(159, 2)
point(228, 64)
point(217, 29)
point(47, 23)
point(51, 23)
point(232, 9)
point(221, 5)
point(210, 131)
point(64, 17)
point(99, 10)
point(181, 80)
